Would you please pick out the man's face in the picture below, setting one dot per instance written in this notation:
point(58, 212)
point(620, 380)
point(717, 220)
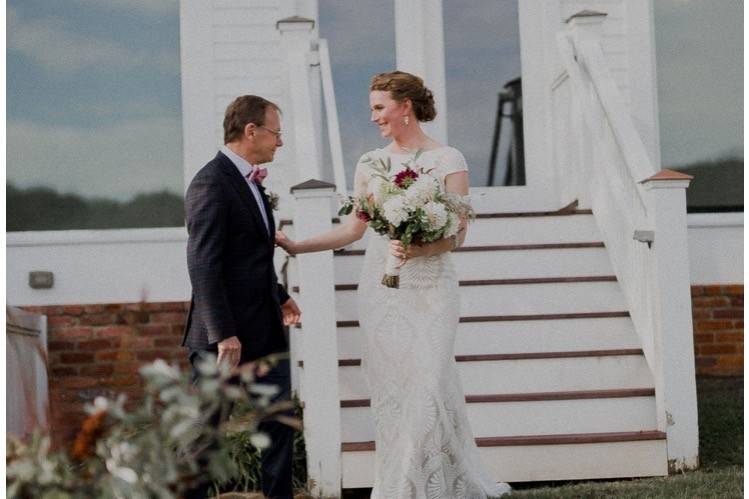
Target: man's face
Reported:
point(268, 137)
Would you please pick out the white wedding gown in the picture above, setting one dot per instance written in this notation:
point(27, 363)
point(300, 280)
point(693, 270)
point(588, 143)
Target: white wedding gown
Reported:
point(424, 445)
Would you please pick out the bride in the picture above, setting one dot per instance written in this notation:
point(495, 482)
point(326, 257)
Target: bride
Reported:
point(424, 445)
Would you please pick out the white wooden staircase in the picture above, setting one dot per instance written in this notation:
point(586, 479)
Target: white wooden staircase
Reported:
point(556, 382)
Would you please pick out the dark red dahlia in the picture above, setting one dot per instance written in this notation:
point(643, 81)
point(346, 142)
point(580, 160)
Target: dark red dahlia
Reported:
point(363, 216)
point(405, 178)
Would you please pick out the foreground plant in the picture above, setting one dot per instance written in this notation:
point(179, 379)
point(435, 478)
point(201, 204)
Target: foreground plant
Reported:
point(155, 449)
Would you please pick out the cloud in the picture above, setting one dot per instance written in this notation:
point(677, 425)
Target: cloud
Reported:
point(114, 161)
point(141, 7)
point(52, 45)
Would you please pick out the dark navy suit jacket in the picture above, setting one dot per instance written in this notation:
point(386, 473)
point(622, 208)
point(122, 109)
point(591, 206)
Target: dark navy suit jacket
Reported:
point(235, 290)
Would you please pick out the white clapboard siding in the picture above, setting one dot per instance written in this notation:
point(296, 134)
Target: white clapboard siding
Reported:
point(544, 462)
point(530, 375)
point(547, 417)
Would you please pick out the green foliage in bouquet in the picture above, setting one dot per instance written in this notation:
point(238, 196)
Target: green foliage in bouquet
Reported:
point(152, 451)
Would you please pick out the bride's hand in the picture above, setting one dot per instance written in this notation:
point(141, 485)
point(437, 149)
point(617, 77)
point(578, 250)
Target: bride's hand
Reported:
point(398, 250)
point(287, 244)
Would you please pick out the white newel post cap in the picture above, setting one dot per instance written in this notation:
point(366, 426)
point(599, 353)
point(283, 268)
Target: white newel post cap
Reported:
point(667, 179)
point(295, 23)
point(586, 21)
point(313, 188)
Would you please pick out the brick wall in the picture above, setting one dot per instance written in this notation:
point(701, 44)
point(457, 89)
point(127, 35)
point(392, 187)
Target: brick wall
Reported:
point(718, 314)
point(97, 350)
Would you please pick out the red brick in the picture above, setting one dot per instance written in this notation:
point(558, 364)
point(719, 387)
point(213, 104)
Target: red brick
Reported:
point(168, 318)
point(132, 317)
point(713, 290)
point(735, 289)
point(117, 356)
point(120, 380)
point(718, 348)
point(132, 342)
point(698, 291)
point(63, 371)
point(60, 345)
point(72, 309)
point(72, 333)
point(701, 338)
point(153, 355)
point(76, 358)
point(126, 367)
point(730, 313)
point(706, 361)
point(92, 345)
point(57, 321)
point(729, 336)
point(738, 324)
point(77, 382)
point(154, 330)
point(712, 325)
point(97, 370)
point(114, 308)
point(97, 319)
point(166, 342)
point(49, 311)
point(701, 314)
point(113, 331)
point(737, 301)
point(710, 302)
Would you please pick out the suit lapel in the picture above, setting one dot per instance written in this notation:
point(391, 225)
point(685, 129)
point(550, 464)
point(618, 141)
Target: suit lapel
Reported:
point(240, 185)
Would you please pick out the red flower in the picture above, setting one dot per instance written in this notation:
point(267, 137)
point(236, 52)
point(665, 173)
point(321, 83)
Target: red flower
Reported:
point(363, 216)
point(405, 178)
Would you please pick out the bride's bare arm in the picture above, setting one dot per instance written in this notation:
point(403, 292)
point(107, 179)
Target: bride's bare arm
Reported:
point(352, 229)
point(454, 182)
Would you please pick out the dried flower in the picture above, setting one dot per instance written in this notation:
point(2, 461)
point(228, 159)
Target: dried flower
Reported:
point(92, 429)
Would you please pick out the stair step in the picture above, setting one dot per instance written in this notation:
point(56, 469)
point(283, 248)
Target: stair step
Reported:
point(487, 262)
point(543, 457)
point(574, 438)
point(583, 296)
point(522, 336)
point(523, 373)
point(499, 247)
point(532, 413)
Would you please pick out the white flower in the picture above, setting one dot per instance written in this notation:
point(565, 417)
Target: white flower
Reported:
point(453, 224)
point(395, 210)
point(436, 215)
point(422, 190)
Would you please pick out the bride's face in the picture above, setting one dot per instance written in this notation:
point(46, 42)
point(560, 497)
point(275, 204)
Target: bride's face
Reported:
point(387, 113)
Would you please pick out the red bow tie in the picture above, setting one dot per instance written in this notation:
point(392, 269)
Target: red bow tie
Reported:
point(257, 174)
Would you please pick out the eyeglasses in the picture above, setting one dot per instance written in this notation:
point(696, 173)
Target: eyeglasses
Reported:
point(277, 133)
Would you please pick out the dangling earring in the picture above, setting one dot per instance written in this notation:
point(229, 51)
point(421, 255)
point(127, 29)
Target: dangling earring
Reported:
point(405, 120)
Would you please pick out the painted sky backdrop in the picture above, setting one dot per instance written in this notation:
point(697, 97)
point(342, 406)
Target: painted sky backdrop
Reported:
point(93, 89)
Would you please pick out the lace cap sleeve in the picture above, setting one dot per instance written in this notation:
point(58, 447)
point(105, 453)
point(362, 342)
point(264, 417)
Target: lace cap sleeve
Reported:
point(451, 161)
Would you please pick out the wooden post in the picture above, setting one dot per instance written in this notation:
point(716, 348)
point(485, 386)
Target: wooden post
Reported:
point(296, 38)
point(675, 386)
point(322, 417)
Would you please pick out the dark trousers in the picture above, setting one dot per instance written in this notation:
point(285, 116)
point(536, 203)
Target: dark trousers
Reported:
point(276, 460)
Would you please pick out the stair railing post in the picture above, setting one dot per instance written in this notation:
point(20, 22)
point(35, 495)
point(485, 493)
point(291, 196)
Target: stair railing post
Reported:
point(296, 39)
point(319, 345)
point(674, 372)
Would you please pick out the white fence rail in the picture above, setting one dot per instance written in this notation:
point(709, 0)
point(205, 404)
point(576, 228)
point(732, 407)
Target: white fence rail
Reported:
point(632, 202)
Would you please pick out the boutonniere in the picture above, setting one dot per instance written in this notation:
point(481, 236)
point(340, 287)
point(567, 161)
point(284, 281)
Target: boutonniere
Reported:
point(273, 200)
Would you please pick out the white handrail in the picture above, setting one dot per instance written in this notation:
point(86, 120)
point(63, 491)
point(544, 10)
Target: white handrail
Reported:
point(331, 112)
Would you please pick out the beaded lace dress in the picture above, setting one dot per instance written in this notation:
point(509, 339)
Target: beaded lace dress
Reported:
point(425, 448)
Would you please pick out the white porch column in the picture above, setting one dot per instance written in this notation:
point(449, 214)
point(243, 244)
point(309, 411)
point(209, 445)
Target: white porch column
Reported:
point(322, 417)
point(675, 387)
point(420, 49)
point(296, 38)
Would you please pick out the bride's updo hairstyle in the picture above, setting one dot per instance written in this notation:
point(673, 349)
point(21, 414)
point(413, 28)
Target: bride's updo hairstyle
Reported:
point(404, 86)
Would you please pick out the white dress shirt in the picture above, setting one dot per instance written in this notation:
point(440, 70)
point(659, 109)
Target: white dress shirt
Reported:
point(245, 168)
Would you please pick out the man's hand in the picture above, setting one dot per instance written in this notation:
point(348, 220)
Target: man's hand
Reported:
point(229, 350)
point(290, 312)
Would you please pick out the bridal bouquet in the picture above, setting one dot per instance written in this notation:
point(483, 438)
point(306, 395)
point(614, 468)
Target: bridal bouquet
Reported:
point(410, 206)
